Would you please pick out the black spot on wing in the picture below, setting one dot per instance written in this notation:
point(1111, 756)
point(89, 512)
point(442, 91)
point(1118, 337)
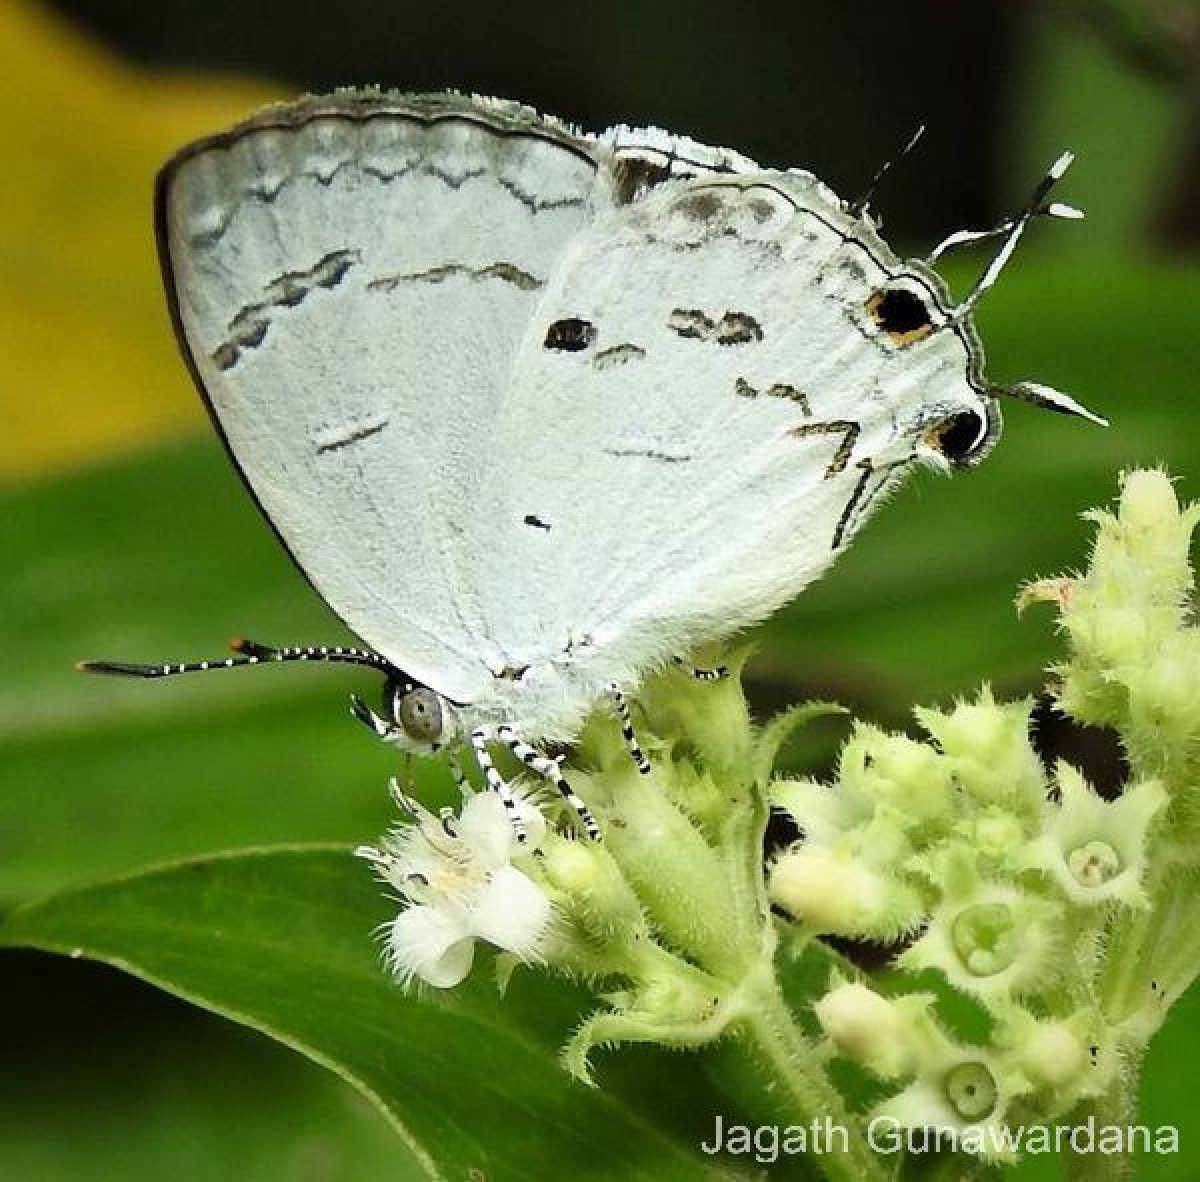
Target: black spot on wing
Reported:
point(634, 175)
point(570, 335)
point(692, 324)
point(776, 390)
point(738, 328)
point(699, 207)
point(618, 355)
point(732, 328)
point(334, 439)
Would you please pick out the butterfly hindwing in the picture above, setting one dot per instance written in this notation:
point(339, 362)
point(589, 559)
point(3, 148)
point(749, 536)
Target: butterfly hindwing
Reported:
point(712, 444)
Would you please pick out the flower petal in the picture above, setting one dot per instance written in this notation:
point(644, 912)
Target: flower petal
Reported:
point(512, 912)
point(432, 944)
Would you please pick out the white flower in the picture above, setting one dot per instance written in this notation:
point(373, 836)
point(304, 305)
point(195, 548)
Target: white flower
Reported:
point(457, 876)
point(1095, 849)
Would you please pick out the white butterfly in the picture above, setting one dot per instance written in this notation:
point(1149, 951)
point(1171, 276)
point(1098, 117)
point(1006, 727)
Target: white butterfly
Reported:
point(534, 410)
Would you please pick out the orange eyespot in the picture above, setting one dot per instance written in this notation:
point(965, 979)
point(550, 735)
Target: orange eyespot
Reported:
point(901, 313)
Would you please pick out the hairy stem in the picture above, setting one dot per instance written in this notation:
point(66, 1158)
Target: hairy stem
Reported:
point(791, 1068)
point(1118, 1106)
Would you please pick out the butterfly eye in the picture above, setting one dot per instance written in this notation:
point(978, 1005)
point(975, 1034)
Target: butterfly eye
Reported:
point(900, 313)
point(962, 438)
point(420, 714)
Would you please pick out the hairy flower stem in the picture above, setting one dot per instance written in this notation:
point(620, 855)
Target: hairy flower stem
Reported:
point(1151, 957)
point(767, 1027)
point(1117, 1106)
point(790, 1067)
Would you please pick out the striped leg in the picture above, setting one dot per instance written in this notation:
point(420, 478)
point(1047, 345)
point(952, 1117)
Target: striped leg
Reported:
point(714, 674)
point(495, 781)
point(384, 729)
point(639, 757)
point(548, 768)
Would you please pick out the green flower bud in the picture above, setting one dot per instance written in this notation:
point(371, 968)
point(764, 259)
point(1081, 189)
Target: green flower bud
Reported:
point(1064, 1059)
point(987, 748)
point(904, 775)
point(591, 890)
point(834, 891)
point(1053, 1055)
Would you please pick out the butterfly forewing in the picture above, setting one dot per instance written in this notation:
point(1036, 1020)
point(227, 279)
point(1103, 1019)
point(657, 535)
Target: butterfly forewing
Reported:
point(352, 281)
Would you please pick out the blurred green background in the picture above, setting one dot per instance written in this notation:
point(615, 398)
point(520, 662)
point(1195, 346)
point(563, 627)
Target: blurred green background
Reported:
point(124, 533)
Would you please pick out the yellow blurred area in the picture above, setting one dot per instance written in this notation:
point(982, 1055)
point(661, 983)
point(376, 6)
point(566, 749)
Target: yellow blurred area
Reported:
point(88, 364)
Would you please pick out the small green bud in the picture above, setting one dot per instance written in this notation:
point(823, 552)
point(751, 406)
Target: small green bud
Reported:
point(1065, 1059)
point(836, 891)
point(1053, 1055)
point(591, 890)
point(995, 834)
point(676, 873)
point(898, 773)
point(986, 746)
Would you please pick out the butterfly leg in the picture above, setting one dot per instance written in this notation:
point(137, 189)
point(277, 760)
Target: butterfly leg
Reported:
point(713, 674)
point(480, 737)
point(387, 731)
point(548, 769)
point(627, 732)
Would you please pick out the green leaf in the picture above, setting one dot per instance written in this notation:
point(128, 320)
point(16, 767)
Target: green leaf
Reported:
point(107, 1079)
point(280, 941)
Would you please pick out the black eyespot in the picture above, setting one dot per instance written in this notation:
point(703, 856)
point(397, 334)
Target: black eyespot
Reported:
point(901, 313)
point(570, 335)
point(962, 437)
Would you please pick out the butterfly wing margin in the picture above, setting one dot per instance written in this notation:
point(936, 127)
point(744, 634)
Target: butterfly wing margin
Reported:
point(350, 280)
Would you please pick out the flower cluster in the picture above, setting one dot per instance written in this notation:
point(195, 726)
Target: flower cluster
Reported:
point(1022, 888)
point(1063, 919)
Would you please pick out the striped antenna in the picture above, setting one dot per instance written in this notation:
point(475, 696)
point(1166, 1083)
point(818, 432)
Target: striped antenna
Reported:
point(1012, 231)
point(1048, 398)
point(860, 206)
point(249, 653)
